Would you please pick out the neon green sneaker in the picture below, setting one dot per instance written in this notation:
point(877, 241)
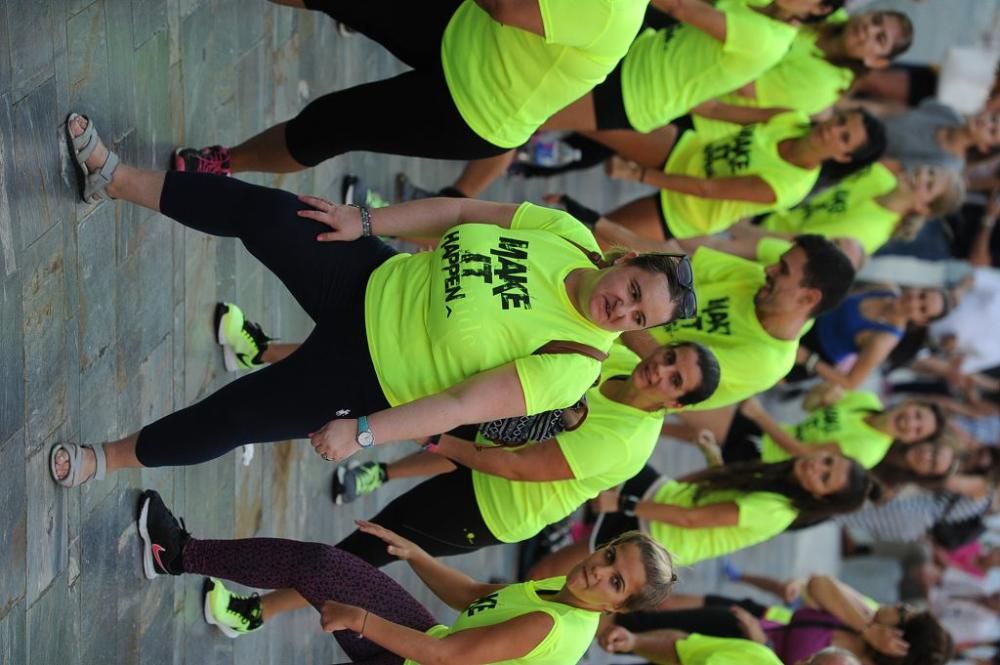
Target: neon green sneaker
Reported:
point(234, 615)
point(243, 342)
point(354, 190)
point(355, 480)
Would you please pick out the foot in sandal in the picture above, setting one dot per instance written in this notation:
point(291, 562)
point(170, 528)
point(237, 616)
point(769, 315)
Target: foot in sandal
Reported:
point(95, 165)
point(72, 465)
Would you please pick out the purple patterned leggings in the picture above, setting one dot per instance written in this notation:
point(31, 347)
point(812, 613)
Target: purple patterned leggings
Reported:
point(318, 572)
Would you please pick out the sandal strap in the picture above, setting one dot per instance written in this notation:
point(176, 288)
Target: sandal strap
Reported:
point(75, 453)
point(101, 468)
point(85, 143)
point(98, 181)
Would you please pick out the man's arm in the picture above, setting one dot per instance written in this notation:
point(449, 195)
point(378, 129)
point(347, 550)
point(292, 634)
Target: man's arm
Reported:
point(541, 461)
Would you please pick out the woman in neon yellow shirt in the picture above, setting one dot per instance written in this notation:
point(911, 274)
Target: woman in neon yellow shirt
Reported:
point(855, 426)
point(816, 71)
point(874, 206)
point(485, 75)
point(404, 345)
point(548, 622)
point(723, 509)
point(708, 184)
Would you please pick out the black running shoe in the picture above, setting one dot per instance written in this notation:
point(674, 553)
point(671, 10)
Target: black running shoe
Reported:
point(163, 537)
point(407, 191)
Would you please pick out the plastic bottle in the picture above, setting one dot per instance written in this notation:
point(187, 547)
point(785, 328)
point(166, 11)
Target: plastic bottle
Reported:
point(547, 149)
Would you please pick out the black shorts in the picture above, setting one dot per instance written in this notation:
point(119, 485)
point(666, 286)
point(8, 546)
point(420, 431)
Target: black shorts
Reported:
point(611, 525)
point(739, 445)
point(609, 103)
point(685, 123)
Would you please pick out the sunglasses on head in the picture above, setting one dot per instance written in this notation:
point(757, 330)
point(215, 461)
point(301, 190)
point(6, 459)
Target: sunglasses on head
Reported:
point(687, 305)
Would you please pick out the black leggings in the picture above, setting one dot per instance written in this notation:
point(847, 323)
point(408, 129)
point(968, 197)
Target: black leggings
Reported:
point(411, 114)
point(715, 618)
point(329, 376)
point(739, 445)
point(440, 514)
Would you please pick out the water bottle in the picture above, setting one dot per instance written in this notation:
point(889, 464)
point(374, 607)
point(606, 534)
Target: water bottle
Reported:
point(548, 150)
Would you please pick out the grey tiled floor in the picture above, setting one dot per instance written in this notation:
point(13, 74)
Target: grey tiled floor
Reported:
point(105, 321)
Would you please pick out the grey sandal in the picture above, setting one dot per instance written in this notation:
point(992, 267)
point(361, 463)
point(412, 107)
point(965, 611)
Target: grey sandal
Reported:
point(75, 453)
point(91, 186)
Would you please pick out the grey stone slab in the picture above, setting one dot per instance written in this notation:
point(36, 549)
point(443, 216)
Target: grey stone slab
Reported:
point(30, 32)
point(100, 562)
point(14, 636)
point(97, 275)
point(11, 357)
point(42, 198)
point(10, 237)
point(13, 523)
point(6, 74)
point(156, 316)
point(149, 18)
point(47, 532)
point(45, 358)
point(88, 64)
point(151, 116)
point(121, 72)
point(52, 635)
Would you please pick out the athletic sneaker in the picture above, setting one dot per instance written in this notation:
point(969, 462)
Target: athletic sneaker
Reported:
point(345, 30)
point(355, 191)
point(163, 537)
point(355, 480)
point(234, 615)
point(407, 191)
point(243, 342)
point(213, 159)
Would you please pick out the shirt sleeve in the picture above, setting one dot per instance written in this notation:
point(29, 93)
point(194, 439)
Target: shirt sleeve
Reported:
point(575, 23)
point(559, 222)
point(555, 380)
point(765, 512)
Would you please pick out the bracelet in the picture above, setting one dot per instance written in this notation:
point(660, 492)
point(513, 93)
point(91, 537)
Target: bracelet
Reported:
point(627, 504)
point(811, 362)
point(366, 220)
point(364, 622)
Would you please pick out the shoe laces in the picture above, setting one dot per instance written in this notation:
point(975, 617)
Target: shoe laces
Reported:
point(214, 159)
point(368, 477)
point(248, 609)
point(253, 332)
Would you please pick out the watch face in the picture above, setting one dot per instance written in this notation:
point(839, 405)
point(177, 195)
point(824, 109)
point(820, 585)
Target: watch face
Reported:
point(366, 439)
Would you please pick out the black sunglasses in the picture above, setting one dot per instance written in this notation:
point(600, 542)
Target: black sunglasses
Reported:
point(687, 306)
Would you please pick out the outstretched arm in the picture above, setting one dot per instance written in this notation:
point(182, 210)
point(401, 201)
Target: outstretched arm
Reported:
point(700, 517)
point(753, 410)
point(489, 395)
point(656, 646)
point(425, 218)
point(739, 115)
point(541, 461)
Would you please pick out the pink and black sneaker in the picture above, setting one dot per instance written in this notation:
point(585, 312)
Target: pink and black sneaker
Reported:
point(213, 159)
point(163, 537)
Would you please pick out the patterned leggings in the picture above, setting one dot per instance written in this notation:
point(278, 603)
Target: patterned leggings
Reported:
point(318, 572)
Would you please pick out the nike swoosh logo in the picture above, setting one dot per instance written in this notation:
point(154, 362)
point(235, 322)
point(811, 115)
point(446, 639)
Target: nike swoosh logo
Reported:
point(156, 555)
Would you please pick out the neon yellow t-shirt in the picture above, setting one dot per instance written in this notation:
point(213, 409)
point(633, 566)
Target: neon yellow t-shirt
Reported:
point(842, 423)
point(506, 81)
point(698, 649)
point(849, 208)
point(751, 360)
point(763, 515)
point(485, 297)
point(804, 81)
point(611, 446)
point(668, 72)
point(751, 151)
point(770, 249)
point(571, 634)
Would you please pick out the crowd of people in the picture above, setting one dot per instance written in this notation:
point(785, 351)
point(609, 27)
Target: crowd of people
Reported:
point(538, 353)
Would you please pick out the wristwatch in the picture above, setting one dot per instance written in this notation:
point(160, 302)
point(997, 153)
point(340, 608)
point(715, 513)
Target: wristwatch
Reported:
point(365, 437)
point(627, 504)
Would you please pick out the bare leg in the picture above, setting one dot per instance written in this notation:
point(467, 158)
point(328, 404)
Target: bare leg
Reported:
point(120, 455)
point(419, 464)
point(715, 420)
point(128, 183)
point(480, 174)
point(786, 590)
point(642, 217)
point(559, 563)
point(280, 601)
point(577, 116)
point(275, 352)
point(647, 150)
point(266, 152)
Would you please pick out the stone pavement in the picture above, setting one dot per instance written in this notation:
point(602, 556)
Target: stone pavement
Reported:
point(105, 318)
